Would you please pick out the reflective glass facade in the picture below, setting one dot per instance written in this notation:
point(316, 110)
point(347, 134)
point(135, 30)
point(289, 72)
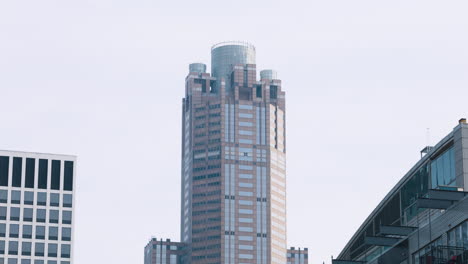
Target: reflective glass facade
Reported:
point(415, 222)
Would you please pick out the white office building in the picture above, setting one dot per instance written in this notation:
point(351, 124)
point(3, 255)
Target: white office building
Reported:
point(36, 208)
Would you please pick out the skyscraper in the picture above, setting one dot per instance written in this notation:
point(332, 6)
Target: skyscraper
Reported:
point(233, 161)
point(36, 208)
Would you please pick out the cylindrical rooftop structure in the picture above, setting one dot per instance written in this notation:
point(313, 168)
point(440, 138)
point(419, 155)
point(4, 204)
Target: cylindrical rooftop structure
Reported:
point(226, 54)
point(268, 75)
point(197, 67)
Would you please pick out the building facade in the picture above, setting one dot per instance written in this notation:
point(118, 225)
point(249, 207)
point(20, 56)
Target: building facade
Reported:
point(233, 161)
point(164, 252)
point(298, 256)
point(233, 191)
point(424, 218)
point(36, 208)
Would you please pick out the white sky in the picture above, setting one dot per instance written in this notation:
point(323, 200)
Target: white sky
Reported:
point(104, 80)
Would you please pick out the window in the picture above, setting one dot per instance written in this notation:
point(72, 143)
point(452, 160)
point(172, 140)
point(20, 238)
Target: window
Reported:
point(13, 248)
point(273, 92)
point(15, 213)
point(2, 230)
point(443, 170)
point(4, 168)
point(54, 216)
point(38, 261)
point(259, 91)
point(29, 198)
point(43, 168)
point(28, 214)
point(39, 250)
point(30, 171)
point(245, 107)
point(26, 249)
point(66, 234)
point(17, 169)
point(67, 200)
point(41, 215)
point(40, 232)
point(27, 231)
point(26, 261)
point(42, 198)
point(16, 197)
point(68, 176)
point(54, 199)
point(66, 217)
point(12, 261)
point(55, 175)
point(2, 247)
point(65, 251)
point(3, 213)
point(53, 233)
point(3, 196)
point(14, 230)
point(52, 252)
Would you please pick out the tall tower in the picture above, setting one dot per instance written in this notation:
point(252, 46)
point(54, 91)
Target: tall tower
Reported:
point(233, 161)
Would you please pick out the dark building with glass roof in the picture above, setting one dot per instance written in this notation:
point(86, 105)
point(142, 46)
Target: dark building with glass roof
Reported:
point(424, 218)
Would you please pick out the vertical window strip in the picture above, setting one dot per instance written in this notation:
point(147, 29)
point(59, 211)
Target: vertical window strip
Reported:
point(226, 249)
point(4, 169)
point(17, 172)
point(30, 172)
point(232, 123)
point(263, 125)
point(259, 129)
point(226, 123)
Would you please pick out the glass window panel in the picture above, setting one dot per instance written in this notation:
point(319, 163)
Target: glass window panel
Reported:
point(53, 233)
point(15, 213)
point(54, 199)
point(67, 217)
point(65, 252)
point(68, 176)
point(66, 234)
point(54, 216)
point(16, 197)
point(17, 171)
point(43, 168)
point(4, 168)
point(67, 200)
point(2, 230)
point(39, 250)
point(55, 175)
point(41, 215)
point(28, 214)
point(40, 232)
point(30, 172)
point(14, 230)
point(25, 261)
point(2, 246)
point(13, 247)
point(27, 231)
point(42, 198)
point(26, 249)
point(3, 196)
point(52, 252)
point(3, 213)
point(29, 198)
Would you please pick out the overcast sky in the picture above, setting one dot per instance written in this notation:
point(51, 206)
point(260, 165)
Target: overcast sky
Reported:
point(104, 80)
